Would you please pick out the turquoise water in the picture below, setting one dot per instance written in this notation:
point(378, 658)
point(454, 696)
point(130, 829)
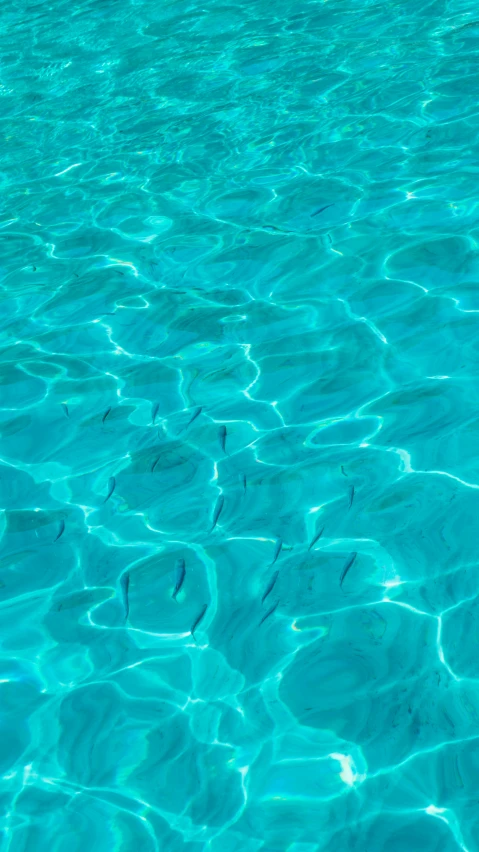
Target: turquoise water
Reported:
point(239, 426)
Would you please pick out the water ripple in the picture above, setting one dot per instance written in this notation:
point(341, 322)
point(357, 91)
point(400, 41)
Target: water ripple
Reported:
point(239, 257)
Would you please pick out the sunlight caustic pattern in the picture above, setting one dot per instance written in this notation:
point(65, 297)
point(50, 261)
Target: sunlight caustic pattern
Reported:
point(239, 424)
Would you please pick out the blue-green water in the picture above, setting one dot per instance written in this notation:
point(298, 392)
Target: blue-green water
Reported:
point(239, 396)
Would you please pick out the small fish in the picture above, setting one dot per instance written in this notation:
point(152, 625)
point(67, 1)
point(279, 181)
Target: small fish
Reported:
point(243, 480)
point(198, 620)
point(277, 550)
point(218, 509)
point(125, 586)
point(321, 209)
point(105, 414)
point(154, 412)
point(111, 488)
point(316, 538)
point(180, 577)
point(448, 719)
point(60, 531)
point(155, 463)
point(34, 268)
point(270, 586)
point(267, 614)
point(195, 415)
point(342, 470)
point(351, 496)
point(222, 433)
point(349, 562)
point(65, 409)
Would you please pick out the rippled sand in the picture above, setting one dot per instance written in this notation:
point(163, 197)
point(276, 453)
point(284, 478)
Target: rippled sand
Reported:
point(239, 426)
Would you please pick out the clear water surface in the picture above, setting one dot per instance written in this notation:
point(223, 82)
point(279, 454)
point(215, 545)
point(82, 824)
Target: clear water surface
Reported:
point(239, 399)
